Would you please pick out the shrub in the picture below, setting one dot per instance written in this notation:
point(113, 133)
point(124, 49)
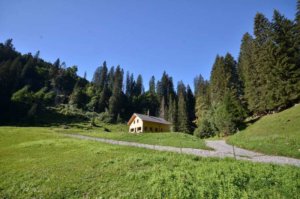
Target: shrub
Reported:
point(106, 117)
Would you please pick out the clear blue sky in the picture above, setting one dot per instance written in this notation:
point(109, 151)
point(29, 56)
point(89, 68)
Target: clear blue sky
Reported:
point(143, 36)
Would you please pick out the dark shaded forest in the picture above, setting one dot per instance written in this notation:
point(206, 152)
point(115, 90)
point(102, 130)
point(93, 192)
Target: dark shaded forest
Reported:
point(264, 79)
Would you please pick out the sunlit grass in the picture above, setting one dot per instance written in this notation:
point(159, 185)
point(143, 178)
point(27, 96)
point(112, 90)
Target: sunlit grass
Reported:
point(277, 134)
point(120, 132)
point(38, 163)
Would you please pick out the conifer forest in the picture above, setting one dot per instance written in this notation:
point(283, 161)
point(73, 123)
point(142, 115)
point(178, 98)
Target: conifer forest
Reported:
point(264, 79)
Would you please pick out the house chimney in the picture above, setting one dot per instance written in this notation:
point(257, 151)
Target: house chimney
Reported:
point(148, 112)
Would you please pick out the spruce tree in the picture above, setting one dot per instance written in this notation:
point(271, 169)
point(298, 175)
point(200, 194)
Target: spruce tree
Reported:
point(115, 99)
point(57, 63)
point(151, 103)
point(165, 88)
point(297, 19)
point(100, 76)
point(190, 103)
point(163, 109)
point(224, 78)
point(223, 118)
point(234, 89)
point(130, 85)
point(264, 62)
point(297, 43)
point(152, 85)
point(103, 99)
point(225, 85)
point(248, 72)
point(110, 78)
point(78, 98)
point(218, 80)
point(183, 122)
point(103, 76)
point(139, 89)
point(297, 32)
point(172, 114)
point(8, 44)
point(285, 71)
point(202, 107)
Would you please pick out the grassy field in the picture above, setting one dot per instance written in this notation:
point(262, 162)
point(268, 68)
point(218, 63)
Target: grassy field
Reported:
point(120, 132)
point(39, 163)
point(277, 134)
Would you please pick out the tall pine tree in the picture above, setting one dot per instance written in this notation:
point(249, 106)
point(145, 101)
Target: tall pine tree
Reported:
point(172, 113)
point(248, 72)
point(286, 73)
point(115, 100)
point(152, 85)
point(183, 120)
point(139, 88)
point(264, 62)
point(202, 107)
point(190, 105)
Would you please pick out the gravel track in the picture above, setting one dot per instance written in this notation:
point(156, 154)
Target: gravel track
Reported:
point(221, 150)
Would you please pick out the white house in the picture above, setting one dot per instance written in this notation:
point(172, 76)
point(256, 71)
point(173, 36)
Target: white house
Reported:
point(139, 123)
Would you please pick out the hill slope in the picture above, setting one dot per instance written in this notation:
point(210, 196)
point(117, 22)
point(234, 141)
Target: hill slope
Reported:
point(277, 134)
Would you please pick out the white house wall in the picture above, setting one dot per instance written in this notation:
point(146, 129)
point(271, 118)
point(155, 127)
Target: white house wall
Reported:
point(136, 125)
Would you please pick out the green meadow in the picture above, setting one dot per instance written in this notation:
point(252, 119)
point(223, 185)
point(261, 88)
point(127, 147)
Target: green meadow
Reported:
point(41, 163)
point(120, 132)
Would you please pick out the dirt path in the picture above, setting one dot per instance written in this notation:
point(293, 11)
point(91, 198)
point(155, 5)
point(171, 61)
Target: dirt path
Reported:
point(243, 154)
point(221, 150)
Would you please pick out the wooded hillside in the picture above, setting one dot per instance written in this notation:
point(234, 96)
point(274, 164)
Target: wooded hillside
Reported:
point(265, 78)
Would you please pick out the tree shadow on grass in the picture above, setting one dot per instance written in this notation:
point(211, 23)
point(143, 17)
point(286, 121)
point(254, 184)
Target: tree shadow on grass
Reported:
point(245, 124)
point(45, 119)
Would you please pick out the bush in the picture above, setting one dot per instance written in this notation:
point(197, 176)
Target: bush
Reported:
point(70, 110)
point(223, 120)
point(106, 117)
point(204, 130)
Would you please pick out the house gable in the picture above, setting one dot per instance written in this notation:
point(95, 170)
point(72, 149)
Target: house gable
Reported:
point(141, 123)
point(131, 119)
point(135, 124)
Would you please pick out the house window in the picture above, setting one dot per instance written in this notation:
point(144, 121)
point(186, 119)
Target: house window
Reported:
point(132, 130)
point(151, 129)
point(146, 128)
point(156, 129)
point(137, 121)
point(133, 122)
point(139, 128)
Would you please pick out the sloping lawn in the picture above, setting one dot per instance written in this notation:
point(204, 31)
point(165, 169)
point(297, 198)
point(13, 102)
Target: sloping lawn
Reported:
point(38, 163)
point(276, 134)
